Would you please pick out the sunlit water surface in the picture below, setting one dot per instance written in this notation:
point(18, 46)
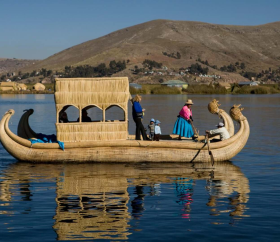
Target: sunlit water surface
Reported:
point(236, 200)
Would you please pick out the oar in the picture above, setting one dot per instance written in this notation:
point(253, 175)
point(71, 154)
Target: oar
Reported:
point(194, 129)
point(209, 151)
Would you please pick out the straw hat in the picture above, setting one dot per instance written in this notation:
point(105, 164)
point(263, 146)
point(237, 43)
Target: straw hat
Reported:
point(189, 101)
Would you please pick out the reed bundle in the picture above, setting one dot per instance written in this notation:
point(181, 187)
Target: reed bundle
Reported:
point(92, 131)
point(236, 114)
point(213, 106)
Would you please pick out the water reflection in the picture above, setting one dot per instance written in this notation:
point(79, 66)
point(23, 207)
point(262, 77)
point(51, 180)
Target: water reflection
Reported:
point(184, 190)
point(101, 201)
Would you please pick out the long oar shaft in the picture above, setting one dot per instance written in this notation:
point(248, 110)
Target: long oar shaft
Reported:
point(194, 129)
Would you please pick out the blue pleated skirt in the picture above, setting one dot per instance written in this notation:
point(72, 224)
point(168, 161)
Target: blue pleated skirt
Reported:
point(183, 128)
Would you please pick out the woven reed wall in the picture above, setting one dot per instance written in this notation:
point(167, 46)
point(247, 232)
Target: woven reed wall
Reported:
point(91, 131)
point(101, 92)
point(85, 92)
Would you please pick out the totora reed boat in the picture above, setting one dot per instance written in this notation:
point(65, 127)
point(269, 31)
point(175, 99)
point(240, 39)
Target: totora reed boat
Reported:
point(108, 140)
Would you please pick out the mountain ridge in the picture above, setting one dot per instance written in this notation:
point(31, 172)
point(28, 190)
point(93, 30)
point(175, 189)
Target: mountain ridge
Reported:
point(257, 46)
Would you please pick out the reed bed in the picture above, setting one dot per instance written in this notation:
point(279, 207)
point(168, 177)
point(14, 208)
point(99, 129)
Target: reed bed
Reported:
point(205, 89)
point(256, 90)
point(154, 89)
point(166, 90)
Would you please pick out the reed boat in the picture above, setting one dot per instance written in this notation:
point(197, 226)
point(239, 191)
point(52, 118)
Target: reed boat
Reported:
point(109, 140)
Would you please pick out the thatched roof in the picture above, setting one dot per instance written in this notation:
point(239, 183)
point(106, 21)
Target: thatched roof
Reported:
point(39, 87)
point(22, 86)
point(100, 92)
point(8, 84)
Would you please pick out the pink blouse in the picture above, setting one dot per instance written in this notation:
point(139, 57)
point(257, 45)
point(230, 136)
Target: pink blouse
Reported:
point(185, 112)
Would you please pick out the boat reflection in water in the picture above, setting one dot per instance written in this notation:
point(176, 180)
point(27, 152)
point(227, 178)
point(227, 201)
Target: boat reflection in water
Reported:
point(96, 200)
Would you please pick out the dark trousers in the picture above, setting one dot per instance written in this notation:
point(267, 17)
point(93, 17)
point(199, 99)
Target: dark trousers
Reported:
point(215, 140)
point(140, 129)
point(157, 137)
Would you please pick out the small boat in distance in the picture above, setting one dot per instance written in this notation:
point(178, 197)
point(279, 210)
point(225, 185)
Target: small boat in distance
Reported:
point(109, 141)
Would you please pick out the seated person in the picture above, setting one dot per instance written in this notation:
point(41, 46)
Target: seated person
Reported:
point(85, 118)
point(221, 130)
point(63, 117)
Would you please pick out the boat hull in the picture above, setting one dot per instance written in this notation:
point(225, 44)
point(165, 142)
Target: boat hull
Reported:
point(119, 151)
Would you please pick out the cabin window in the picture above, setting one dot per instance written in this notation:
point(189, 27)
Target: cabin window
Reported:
point(69, 114)
point(94, 114)
point(114, 113)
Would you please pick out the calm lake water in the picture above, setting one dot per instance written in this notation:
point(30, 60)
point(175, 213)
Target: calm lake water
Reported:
point(234, 200)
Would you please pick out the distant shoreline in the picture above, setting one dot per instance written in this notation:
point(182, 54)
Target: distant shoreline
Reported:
point(184, 93)
point(26, 92)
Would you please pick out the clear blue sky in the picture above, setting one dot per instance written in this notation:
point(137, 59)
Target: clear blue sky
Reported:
point(36, 29)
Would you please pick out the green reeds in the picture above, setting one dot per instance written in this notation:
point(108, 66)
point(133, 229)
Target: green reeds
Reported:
point(135, 91)
point(166, 90)
point(154, 89)
point(256, 90)
point(205, 89)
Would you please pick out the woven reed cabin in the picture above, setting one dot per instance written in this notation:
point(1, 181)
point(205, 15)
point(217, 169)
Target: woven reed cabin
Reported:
point(85, 93)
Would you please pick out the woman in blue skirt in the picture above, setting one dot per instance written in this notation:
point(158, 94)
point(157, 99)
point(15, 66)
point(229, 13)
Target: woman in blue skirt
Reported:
point(182, 126)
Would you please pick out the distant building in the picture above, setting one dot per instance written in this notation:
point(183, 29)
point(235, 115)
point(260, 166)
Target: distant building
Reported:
point(175, 83)
point(39, 87)
point(22, 86)
point(135, 85)
point(241, 84)
point(9, 86)
point(46, 80)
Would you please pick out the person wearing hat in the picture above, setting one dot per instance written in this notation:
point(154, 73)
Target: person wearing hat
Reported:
point(221, 130)
point(157, 130)
point(183, 126)
point(151, 128)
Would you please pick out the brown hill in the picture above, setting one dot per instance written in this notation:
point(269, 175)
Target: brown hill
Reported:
point(11, 65)
point(257, 46)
